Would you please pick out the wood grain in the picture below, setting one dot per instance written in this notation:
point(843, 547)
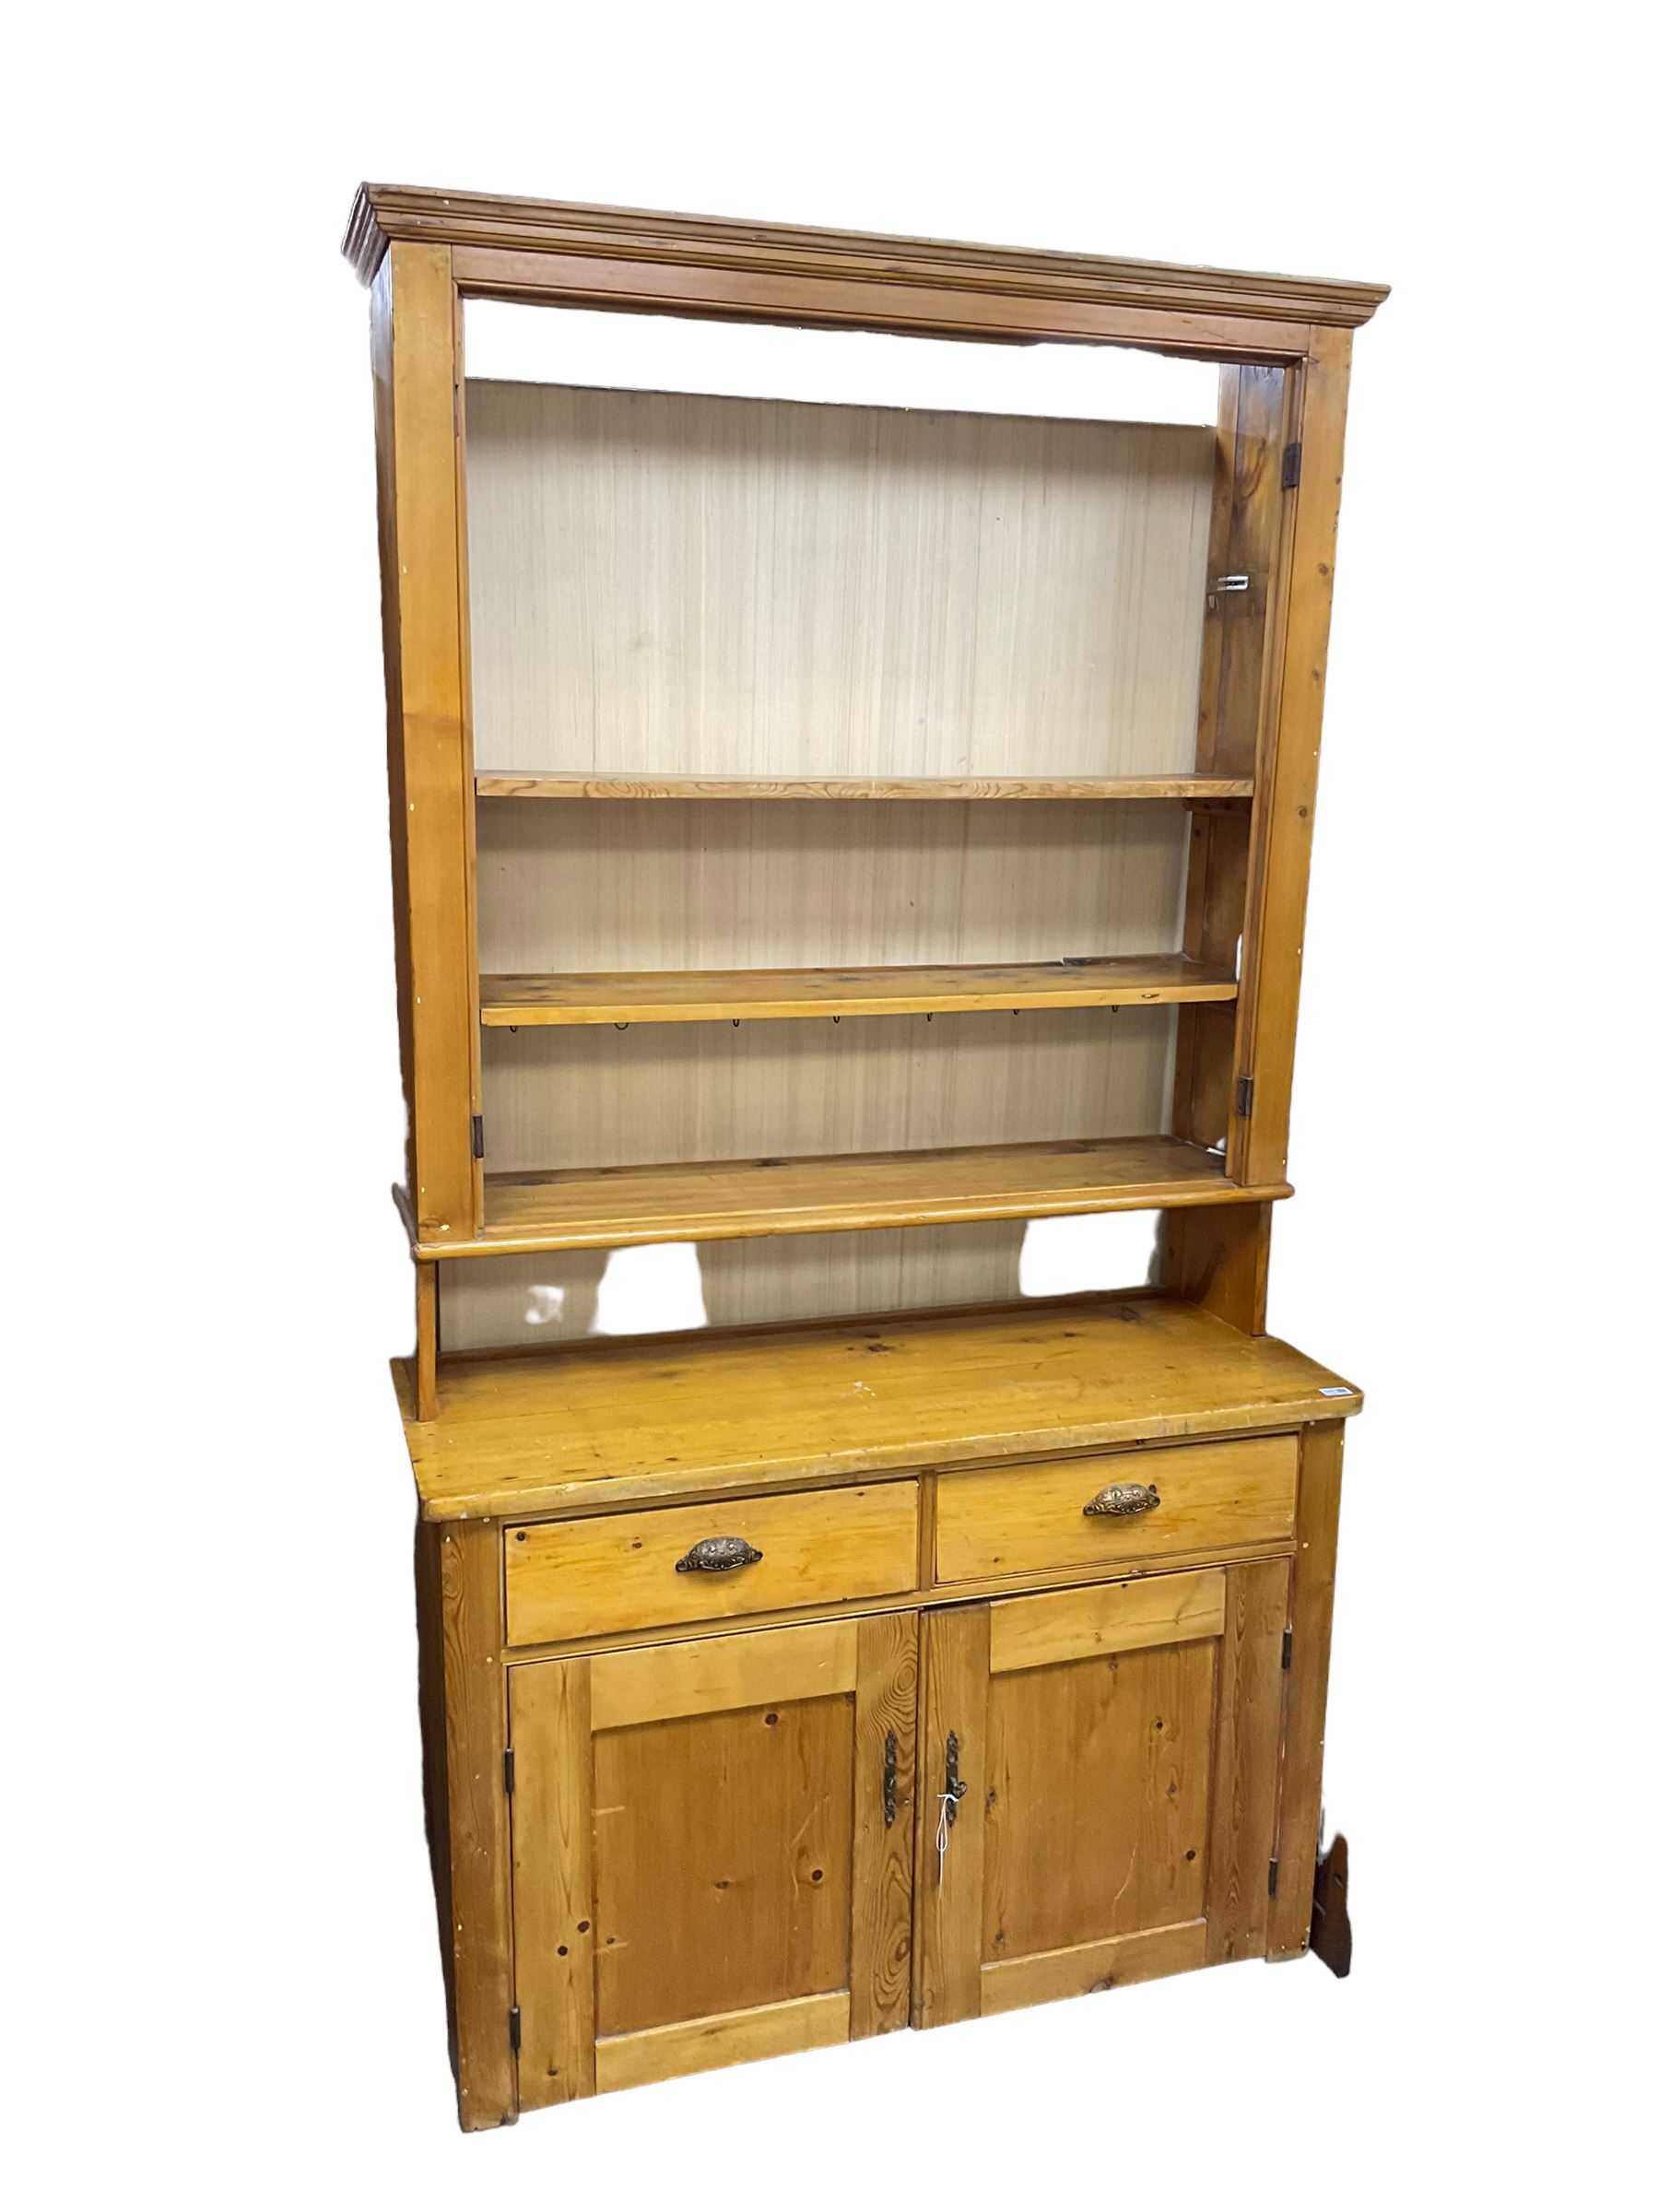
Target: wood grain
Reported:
point(553, 1880)
point(627, 2061)
point(1081, 1970)
point(1022, 1519)
point(591, 1427)
point(801, 993)
point(1111, 1617)
point(584, 1578)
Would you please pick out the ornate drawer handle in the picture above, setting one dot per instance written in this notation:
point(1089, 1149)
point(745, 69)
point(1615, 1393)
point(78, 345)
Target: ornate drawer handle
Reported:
point(717, 1554)
point(1118, 1500)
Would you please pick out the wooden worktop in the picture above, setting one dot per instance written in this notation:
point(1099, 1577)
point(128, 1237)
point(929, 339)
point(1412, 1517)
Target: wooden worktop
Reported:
point(667, 1417)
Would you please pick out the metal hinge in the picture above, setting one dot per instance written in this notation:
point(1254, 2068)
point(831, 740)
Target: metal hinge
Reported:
point(477, 1136)
point(1293, 472)
point(1283, 1661)
point(512, 2027)
point(1272, 1887)
point(507, 1762)
point(1243, 1099)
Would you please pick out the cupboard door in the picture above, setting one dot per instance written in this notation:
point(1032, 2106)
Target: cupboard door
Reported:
point(1100, 1777)
point(711, 1847)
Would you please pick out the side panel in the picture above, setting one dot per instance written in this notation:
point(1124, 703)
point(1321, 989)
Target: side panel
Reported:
point(1313, 1589)
point(1287, 785)
point(1236, 692)
point(416, 367)
point(1216, 1256)
point(475, 1717)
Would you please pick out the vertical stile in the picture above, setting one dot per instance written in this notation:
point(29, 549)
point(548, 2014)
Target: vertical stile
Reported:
point(1286, 778)
point(950, 1888)
point(553, 1880)
point(414, 330)
point(480, 1926)
point(425, 1340)
point(1313, 1593)
point(882, 1848)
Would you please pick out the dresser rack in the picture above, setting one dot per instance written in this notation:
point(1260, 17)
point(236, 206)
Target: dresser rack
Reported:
point(894, 828)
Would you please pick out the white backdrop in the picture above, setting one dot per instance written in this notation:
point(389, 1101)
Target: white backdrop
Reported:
point(221, 1958)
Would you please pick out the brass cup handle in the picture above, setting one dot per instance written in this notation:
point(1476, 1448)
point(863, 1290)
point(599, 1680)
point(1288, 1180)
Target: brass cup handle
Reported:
point(1121, 1501)
point(718, 1555)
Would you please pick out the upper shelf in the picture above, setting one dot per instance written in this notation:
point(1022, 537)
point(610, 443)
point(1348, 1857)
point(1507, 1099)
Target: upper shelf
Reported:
point(573, 1209)
point(498, 783)
point(798, 993)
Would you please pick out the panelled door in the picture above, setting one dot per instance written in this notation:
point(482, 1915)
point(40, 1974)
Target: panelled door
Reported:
point(1098, 1785)
point(712, 1850)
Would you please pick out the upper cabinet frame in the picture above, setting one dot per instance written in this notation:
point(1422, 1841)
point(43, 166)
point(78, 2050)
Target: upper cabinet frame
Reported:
point(547, 250)
point(1284, 345)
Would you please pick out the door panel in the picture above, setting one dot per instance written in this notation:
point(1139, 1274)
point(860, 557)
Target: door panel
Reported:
point(711, 1850)
point(722, 1862)
point(1117, 1748)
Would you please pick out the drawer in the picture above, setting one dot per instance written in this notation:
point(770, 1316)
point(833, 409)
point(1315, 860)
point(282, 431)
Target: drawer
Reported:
point(642, 1570)
point(1189, 1497)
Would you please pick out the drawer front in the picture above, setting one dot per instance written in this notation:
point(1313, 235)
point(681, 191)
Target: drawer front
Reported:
point(624, 1571)
point(1020, 1519)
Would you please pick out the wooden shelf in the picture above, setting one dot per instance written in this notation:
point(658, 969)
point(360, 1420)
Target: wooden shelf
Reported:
point(498, 783)
point(659, 1417)
point(573, 1209)
point(798, 993)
